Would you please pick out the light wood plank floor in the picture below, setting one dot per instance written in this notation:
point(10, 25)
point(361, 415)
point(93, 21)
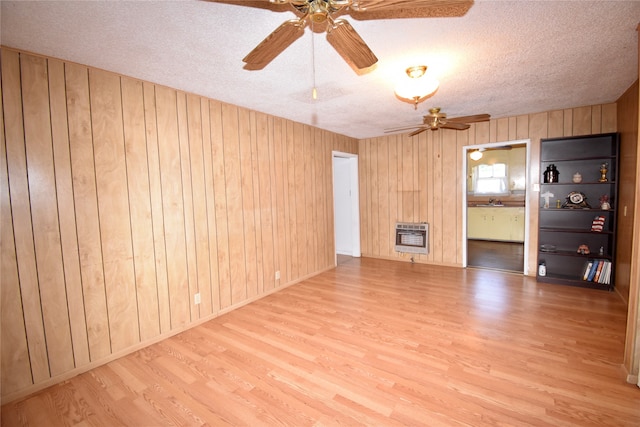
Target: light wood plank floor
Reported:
point(372, 343)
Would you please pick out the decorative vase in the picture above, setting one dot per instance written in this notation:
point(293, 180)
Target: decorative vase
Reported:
point(551, 174)
point(577, 177)
point(542, 269)
point(605, 206)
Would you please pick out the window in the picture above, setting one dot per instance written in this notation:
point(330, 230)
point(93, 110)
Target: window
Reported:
point(490, 179)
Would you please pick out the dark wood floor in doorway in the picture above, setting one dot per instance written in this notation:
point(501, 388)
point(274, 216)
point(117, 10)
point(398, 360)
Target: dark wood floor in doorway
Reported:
point(342, 259)
point(507, 256)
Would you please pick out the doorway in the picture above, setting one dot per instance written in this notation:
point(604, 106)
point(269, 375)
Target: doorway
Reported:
point(495, 217)
point(346, 206)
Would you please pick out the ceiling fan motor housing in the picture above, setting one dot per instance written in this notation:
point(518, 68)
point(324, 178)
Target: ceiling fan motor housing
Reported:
point(318, 11)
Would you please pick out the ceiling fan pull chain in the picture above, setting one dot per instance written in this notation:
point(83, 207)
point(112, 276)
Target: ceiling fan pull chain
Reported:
point(314, 91)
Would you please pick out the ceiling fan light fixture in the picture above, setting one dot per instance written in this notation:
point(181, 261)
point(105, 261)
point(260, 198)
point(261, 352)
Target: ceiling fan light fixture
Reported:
point(416, 86)
point(416, 71)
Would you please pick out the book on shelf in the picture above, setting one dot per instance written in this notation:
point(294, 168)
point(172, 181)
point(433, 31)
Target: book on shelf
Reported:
point(592, 271)
point(596, 277)
point(597, 271)
point(603, 275)
point(587, 269)
point(607, 277)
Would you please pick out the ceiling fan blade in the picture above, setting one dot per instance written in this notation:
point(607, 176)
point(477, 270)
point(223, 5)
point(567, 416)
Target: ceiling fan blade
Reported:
point(418, 131)
point(260, 4)
point(391, 9)
point(403, 128)
point(350, 45)
point(454, 125)
point(274, 44)
point(470, 119)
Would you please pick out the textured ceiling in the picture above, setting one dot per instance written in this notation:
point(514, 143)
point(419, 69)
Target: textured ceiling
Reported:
point(503, 58)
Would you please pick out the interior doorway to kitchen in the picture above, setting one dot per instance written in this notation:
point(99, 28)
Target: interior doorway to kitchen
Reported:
point(495, 197)
point(346, 206)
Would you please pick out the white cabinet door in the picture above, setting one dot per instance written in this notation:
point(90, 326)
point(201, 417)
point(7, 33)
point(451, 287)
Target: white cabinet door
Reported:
point(517, 225)
point(475, 223)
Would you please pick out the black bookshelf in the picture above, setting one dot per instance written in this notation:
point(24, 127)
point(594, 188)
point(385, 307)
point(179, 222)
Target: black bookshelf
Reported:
point(567, 223)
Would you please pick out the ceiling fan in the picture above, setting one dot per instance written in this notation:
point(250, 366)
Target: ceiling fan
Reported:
point(342, 36)
point(436, 120)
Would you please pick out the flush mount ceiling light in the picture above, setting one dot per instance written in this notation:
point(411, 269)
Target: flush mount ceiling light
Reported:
point(476, 155)
point(416, 86)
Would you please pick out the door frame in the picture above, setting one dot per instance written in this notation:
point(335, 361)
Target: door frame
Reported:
point(354, 222)
point(527, 213)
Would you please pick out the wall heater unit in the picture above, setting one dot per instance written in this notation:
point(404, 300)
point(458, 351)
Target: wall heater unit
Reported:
point(412, 237)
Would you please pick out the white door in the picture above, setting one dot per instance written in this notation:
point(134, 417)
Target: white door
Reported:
point(346, 204)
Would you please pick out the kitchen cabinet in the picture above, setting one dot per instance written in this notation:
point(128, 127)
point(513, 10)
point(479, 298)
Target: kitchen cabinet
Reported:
point(574, 230)
point(496, 223)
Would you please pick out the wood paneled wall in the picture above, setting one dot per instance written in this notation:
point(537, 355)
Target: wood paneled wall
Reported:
point(628, 128)
point(632, 339)
point(419, 179)
point(121, 200)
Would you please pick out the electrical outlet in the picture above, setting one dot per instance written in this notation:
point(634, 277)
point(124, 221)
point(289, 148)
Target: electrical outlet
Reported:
point(278, 275)
point(196, 298)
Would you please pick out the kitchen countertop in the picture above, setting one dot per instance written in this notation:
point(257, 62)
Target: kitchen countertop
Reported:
point(505, 205)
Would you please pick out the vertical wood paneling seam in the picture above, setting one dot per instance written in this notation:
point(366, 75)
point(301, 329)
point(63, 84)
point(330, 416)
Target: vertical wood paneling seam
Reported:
point(84, 306)
point(308, 199)
point(163, 231)
point(95, 179)
point(257, 203)
point(252, 140)
point(391, 226)
point(219, 284)
point(252, 131)
point(184, 208)
point(303, 221)
point(442, 190)
point(290, 134)
point(55, 183)
point(193, 208)
point(241, 198)
point(226, 203)
point(33, 243)
point(131, 231)
point(5, 170)
point(213, 206)
point(279, 129)
point(24, 322)
point(203, 179)
point(206, 202)
point(274, 201)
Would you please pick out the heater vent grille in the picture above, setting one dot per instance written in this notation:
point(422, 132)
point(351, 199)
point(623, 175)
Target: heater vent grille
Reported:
point(412, 237)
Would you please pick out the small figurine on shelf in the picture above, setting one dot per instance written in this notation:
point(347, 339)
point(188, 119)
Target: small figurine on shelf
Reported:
point(583, 250)
point(604, 202)
point(604, 168)
point(546, 196)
